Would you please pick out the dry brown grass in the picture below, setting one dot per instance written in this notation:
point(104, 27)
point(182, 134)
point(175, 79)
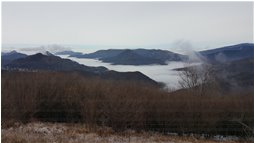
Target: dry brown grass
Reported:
point(121, 105)
point(76, 133)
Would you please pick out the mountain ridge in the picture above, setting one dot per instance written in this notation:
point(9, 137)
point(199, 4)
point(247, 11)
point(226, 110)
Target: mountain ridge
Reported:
point(138, 56)
point(229, 53)
point(40, 62)
point(6, 58)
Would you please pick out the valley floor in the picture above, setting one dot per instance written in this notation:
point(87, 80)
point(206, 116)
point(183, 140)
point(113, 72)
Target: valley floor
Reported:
point(75, 133)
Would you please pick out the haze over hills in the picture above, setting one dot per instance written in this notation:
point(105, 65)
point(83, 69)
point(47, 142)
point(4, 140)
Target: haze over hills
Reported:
point(233, 66)
point(71, 53)
point(161, 57)
point(131, 57)
point(127, 72)
point(49, 62)
point(229, 53)
point(225, 60)
point(101, 54)
point(237, 75)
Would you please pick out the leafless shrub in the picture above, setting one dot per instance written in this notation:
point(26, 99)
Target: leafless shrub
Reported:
point(198, 80)
point(59, 97)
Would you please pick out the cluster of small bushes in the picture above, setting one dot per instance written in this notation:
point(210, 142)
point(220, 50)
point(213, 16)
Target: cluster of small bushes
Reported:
point(61, 97)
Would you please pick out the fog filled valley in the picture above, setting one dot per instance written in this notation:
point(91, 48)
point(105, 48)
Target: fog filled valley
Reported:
point(160, 73)
point(127, 72)
point(207, 96)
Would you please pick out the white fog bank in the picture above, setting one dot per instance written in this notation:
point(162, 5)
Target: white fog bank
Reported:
point(159, 73)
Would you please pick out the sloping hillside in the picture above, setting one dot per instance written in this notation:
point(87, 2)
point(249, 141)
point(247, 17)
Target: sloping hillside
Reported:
point(10, 56)
point(39, 62)
point(132, 57)
point(229, 53)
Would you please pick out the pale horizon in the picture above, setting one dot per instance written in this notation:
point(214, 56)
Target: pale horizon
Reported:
point(105, 25)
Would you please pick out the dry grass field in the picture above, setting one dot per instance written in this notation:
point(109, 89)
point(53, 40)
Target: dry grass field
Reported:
point(76, 133)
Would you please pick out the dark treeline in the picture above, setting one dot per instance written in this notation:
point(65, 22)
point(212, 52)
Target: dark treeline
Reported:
point(61, 97)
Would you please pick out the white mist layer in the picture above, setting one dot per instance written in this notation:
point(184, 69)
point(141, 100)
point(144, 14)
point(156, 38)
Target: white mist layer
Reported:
point(159, 73)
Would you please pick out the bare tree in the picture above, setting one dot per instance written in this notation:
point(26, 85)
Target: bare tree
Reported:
point(197, 79)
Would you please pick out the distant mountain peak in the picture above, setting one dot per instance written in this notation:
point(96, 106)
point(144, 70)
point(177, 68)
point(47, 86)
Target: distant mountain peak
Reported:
point(13, 51)
point(38, 54)
point(10, 56)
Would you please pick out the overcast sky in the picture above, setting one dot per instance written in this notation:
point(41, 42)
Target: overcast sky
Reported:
point(134, 24)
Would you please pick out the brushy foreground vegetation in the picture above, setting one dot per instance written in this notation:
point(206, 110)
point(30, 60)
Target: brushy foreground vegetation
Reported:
point(121, 105)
